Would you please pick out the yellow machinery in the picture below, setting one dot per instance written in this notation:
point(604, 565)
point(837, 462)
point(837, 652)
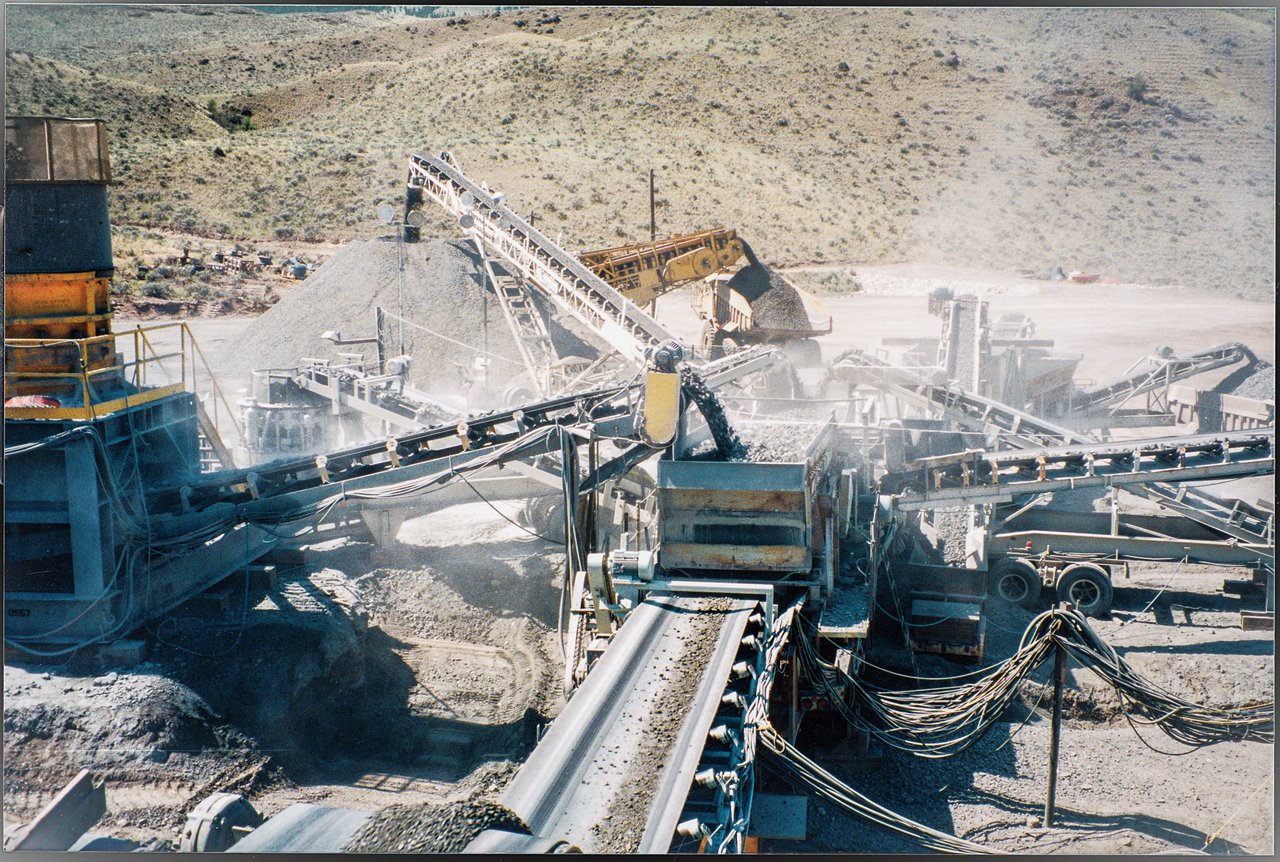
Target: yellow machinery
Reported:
point(644, 271)
point(661, 412)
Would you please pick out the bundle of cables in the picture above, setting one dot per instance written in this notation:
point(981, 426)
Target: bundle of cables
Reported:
point(940, 721)
point(1181, 720)
point(945, 720)
point(804, 772)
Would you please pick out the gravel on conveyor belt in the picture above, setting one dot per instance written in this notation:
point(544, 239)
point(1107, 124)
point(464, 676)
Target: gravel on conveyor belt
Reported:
point(431, 827)
point(621, 829)
point(775, 303)
point(776, 443)
point(964, 320)
point(953, 528)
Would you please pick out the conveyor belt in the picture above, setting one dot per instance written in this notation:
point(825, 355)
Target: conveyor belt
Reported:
point(573, 287)
point(1022, 430)
point(616, 765)
point(1158, 373)
point(987, 476)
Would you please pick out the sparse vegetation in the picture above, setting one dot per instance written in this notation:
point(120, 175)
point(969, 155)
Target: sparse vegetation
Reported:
point(1136, 88)
point(761, 119)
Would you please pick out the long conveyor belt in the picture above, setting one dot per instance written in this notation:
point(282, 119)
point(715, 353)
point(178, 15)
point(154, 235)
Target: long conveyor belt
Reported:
point(976, 477)
point(1157, 374)
point(1022, 430)
point(613, 771)
point(573, 287)
point(613, 410)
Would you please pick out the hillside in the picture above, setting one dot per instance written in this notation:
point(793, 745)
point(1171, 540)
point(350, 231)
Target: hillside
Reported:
point(1139, 143)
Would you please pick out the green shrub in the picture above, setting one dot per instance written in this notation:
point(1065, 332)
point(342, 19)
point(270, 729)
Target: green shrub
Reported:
point(1137, 88)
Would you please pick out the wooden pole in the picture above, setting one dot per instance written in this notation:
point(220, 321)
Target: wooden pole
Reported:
point(653, 222)
point(1055, 729)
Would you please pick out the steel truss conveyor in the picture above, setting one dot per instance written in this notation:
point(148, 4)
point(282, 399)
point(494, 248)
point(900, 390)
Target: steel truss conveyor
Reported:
point(1153, 377)
point(1014, 428)
point(976, 476)
point(396, 469)
point(573, 287)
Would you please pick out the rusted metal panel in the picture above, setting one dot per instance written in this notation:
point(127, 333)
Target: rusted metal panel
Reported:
point(687, 555)
point(704, 499)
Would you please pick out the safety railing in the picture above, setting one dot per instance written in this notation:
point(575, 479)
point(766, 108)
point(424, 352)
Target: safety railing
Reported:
point(86, 378)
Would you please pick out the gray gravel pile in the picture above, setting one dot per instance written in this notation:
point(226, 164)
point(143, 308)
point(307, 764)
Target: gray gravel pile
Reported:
point(420, 600)
point(431, 828)
point(775, 304)
point(1261, 384)
point(775, 443)
point(443, 291)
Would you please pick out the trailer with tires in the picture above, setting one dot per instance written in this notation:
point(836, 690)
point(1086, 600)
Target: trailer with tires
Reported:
point(1086, 584)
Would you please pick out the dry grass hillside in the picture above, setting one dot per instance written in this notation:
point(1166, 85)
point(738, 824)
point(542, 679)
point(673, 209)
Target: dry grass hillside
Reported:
point(1139, 143)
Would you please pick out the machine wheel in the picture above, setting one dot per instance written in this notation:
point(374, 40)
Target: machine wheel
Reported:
point(708, 341)
point(1016, 582)
point(546, 516)
point(1088, 588)
point(517, 395)
point(216, 822)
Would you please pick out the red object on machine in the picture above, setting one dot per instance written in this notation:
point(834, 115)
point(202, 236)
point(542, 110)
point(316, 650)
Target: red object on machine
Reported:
point(32, 401)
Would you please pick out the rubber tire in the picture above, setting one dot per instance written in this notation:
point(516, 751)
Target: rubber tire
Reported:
point(1005, 577)
point(546, 516)
point(1075, 579)
point(708, 341)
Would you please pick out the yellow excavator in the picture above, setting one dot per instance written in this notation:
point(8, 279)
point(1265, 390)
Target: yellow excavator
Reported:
point(739, 305)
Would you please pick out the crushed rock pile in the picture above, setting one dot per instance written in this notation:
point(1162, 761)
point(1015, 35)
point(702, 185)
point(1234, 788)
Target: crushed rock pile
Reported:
point(775, 303)
point(1260, 384)
point(431, 827)
point(444, 291)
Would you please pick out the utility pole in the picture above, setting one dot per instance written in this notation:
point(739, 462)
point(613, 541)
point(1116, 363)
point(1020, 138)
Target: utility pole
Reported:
point(1055, 729)
point(400, 251)
point(653, 223)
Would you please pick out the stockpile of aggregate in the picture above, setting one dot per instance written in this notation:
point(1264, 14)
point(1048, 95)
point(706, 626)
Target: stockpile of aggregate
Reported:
point(775, 303)
point(444, 291)
point(431, 827)
point(765, 443)
point(1260, 384)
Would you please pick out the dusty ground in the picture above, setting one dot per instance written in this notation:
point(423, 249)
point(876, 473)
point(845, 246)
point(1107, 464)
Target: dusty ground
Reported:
point(1115, 795)
point(418, 675)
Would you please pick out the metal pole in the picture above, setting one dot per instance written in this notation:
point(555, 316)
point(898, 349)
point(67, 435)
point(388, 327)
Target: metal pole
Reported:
point(377, 328)
point(1055, 729)
point(653, 223)
point(400, 251)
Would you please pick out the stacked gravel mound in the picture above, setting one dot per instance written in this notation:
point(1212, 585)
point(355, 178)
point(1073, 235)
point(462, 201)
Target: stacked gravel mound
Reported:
point(775, 304)
point(774, 444)
point(444, 291)
point(431, 827)
point(1260, 384)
